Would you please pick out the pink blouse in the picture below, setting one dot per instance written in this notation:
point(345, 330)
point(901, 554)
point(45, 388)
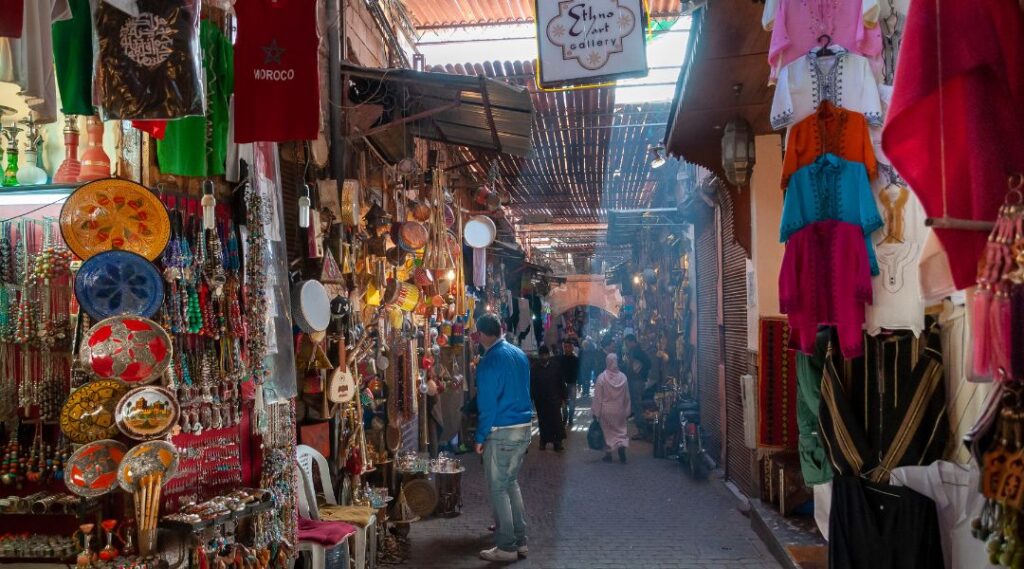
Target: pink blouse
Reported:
point(826, 279)
point(799, 24)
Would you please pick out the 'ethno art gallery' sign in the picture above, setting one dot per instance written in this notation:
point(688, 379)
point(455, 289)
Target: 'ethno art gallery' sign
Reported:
point(590, 41)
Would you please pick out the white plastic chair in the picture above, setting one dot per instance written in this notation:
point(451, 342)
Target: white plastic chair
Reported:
point(317, 551)
point(306, 456)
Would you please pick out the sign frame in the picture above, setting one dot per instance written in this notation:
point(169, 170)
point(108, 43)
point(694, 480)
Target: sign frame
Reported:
point(589, 81)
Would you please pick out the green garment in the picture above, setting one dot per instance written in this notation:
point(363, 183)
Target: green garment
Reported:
point(187, 149)
point(72, 57)
point(814, 461)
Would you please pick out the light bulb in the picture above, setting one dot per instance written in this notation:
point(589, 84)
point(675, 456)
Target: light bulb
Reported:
point(304, 209)
point(450, 275)
point(208, 202)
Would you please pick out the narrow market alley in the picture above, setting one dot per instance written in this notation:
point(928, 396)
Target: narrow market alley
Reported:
point(583, 512)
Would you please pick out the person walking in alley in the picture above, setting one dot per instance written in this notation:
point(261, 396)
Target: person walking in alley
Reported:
point(610, 407)
point(503, 435)
point(547, 387)
point(638, 365)
point(570, 365)
point(591, 365)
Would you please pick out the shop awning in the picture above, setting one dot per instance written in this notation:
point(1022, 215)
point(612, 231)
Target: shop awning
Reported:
point(727, 47)
point(387, 106)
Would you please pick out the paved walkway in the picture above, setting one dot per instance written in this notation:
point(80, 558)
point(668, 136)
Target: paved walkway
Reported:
point(586, 514)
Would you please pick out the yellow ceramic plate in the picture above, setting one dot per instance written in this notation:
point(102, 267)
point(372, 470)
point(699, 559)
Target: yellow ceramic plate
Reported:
point(88, 414)
point(153, 457)
point(115, 214)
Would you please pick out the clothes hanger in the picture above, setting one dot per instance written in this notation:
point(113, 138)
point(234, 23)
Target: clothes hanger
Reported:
point(825, 41)
point(880, 491)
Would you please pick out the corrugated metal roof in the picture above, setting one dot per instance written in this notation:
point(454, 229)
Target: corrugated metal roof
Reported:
point(477, 112)
point(590, 155)
point(456, 13)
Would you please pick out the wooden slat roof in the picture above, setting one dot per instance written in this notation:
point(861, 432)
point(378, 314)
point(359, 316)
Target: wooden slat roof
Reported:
point(590, 155)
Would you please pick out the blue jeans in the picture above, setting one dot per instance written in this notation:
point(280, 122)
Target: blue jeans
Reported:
point(503, 457)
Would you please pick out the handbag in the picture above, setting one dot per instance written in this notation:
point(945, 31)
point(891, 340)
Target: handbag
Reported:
point(595, 436)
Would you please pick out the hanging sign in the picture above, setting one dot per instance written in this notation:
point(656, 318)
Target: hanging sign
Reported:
point(590, 41)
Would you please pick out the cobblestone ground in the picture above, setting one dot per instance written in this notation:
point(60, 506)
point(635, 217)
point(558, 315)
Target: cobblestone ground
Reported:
point(587, 514)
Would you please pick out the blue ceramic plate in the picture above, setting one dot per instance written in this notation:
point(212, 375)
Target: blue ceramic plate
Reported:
point(113, 283)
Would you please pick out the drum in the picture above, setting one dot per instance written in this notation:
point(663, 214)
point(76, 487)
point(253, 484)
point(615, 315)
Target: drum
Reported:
point(402, 295)
point(412, 236)
point(479, 231)
point(311, 306)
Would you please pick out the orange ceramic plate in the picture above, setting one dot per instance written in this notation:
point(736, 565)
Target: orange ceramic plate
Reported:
point(92, 470)
point(115, 214)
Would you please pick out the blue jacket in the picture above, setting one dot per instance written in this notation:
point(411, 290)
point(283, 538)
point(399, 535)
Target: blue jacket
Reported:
point(503, 389)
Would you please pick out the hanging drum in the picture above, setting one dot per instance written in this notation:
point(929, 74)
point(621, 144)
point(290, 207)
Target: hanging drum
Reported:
point(412, 236)
point(479, 231)
point(311, 306)
point(402, 295)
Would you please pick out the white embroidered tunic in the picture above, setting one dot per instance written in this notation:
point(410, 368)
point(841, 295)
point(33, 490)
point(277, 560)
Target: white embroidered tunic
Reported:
point(845, 78)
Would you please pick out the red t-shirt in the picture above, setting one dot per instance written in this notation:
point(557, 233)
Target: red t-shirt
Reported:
point(277, 93)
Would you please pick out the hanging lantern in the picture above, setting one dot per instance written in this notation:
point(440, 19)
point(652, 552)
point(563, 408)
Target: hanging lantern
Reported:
point(738, 152)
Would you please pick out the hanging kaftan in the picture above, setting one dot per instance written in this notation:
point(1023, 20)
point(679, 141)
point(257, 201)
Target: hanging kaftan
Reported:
point(825, 279)
point(845, 79)
point(831, 188)
point(898, 304)
point(886, 409)
point(798, 25)
point(829, 130)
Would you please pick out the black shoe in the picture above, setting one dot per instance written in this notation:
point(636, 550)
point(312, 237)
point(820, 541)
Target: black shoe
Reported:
point(622, 455)
point(607, 457)
point(558, 447)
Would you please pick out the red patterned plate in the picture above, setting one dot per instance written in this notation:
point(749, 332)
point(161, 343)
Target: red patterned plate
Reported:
point(92, 470)
point(132, 349)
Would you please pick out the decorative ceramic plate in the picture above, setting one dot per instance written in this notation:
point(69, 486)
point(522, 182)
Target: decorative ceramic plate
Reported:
point(148, 412)
point(88, 414)
point(92, 470)
point(114, 214)
point(130, 348)
point(153, 457)
point(119, 282)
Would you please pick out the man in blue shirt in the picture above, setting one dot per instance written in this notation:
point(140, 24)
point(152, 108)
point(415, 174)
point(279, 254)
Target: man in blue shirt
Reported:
point(503, 434)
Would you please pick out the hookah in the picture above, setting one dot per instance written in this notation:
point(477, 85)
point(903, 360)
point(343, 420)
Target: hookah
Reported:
point(11, 171)
point(4, 111)
point(29, 173)
point(95, 162)
point(70, 168)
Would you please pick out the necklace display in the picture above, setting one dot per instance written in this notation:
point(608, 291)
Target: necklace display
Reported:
point(202, 294)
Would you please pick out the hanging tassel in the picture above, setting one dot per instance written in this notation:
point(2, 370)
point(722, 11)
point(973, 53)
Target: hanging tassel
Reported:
point(980, 327)
point(999, 339)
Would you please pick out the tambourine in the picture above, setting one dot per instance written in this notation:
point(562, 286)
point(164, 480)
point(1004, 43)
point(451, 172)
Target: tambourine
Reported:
point(311, 306)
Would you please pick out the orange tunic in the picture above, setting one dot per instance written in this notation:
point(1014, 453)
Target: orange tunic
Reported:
point(831, 129)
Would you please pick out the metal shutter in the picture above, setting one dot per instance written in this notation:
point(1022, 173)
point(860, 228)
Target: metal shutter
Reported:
point(740, 460)
point(708, 353)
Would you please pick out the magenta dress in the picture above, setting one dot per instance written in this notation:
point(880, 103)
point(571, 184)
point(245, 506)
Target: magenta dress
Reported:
point(611, 407)
point(826, 279)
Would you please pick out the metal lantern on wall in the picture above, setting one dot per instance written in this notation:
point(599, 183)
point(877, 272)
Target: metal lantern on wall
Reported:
point(738, 152)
